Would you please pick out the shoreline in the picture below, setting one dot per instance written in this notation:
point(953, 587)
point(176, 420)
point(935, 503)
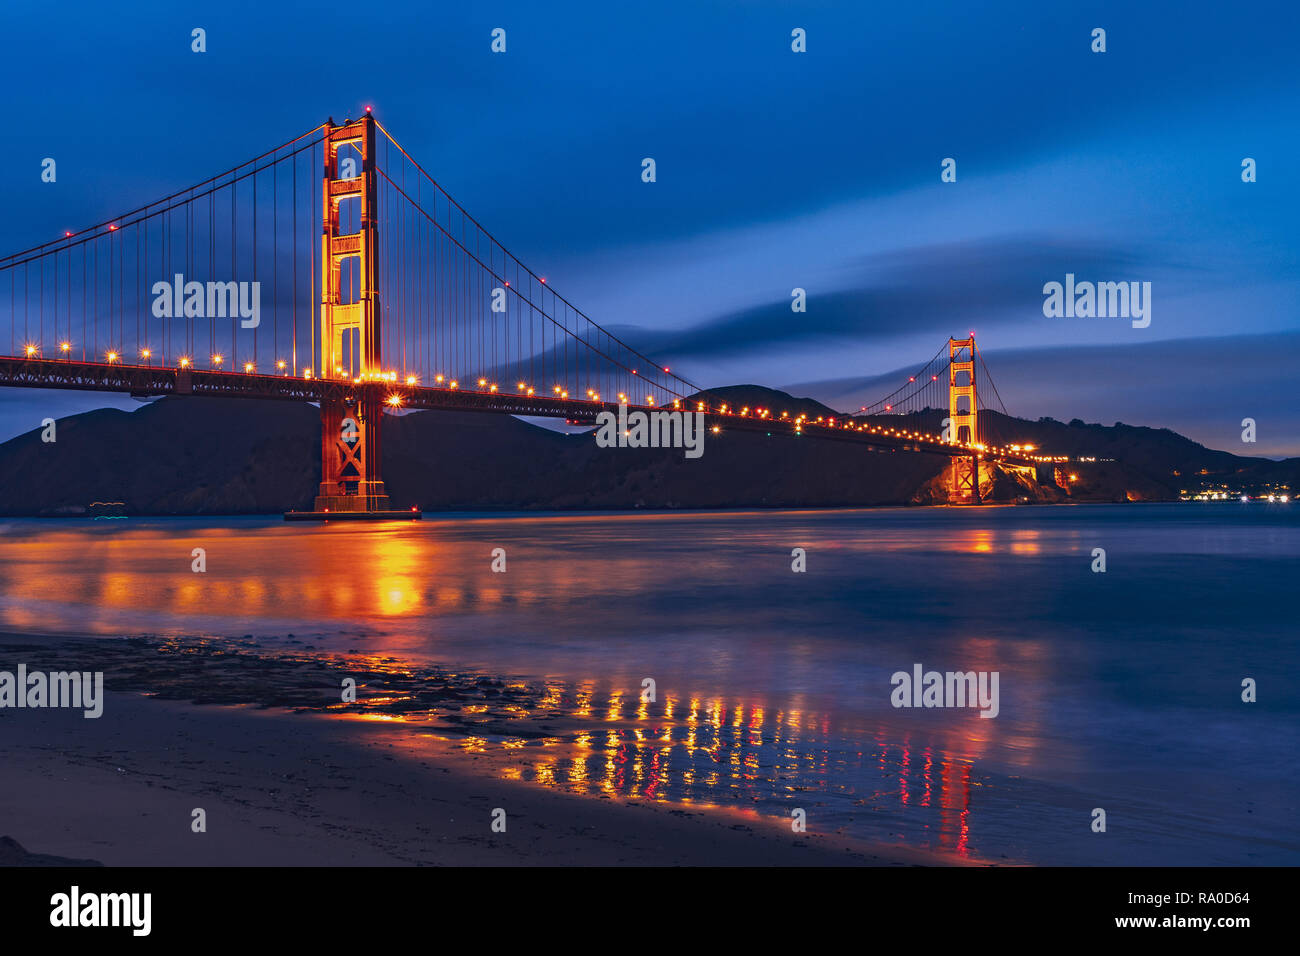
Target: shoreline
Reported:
point(289, 788)
point(489, 514)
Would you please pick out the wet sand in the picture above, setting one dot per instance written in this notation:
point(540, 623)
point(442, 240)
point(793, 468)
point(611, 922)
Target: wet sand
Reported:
point(284, 781)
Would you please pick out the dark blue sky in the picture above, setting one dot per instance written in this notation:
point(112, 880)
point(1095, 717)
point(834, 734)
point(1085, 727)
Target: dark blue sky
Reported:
point(775, 170)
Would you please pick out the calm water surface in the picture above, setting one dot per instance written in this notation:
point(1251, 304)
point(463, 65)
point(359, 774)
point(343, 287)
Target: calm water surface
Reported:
point(1118, 690)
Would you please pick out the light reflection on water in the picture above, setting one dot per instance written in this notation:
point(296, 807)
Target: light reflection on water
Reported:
point(773, 687)
point(715, 757)
point(703, 753)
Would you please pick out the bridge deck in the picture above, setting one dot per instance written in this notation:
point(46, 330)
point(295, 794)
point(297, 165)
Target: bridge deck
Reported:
point(153, 380)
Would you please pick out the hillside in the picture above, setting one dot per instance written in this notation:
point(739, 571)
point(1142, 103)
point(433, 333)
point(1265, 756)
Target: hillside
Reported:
point(230, 456)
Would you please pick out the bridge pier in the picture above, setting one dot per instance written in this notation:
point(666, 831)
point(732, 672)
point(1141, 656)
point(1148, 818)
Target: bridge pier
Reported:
point(350, 450)
point(965, 480)
point(351, 487)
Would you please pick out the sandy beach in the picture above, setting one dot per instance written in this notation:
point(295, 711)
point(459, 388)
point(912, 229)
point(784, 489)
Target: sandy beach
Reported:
point(286, 787)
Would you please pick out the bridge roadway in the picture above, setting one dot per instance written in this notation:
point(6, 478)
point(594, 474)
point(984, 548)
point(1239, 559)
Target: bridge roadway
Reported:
point(155, 380)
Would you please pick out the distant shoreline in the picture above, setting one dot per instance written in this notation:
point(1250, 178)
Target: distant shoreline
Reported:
point(565, 512)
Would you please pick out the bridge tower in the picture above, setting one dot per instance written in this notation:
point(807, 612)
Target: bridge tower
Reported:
point(349, 330)
point(963, 412)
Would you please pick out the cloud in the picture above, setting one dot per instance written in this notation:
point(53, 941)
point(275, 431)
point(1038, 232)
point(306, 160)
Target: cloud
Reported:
point(941, 288)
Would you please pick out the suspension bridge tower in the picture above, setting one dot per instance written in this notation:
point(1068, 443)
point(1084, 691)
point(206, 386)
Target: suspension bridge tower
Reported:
point(963, 411)
point(351, 417)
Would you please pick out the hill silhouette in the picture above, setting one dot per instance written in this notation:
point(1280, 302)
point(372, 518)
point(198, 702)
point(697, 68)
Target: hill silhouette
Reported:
point(197, 456)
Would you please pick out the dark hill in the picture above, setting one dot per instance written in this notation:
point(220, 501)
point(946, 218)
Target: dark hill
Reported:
point(230, 456)
point(758, 396)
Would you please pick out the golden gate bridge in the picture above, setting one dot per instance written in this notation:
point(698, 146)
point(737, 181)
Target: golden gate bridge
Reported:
point(384, 293)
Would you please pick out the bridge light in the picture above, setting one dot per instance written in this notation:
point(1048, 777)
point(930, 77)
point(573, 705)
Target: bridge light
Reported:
point(493, 388)
point(543, 280)
point(184, 362)
point(564, 394)
point(30, 350)
point(217, 359)
point(522, 386)
point(281, 364)
point(665, 368)
point(394, 400)
point(911, 378)
point(410, 380)
point(65, 346)
point(248, 366)
point(145, 353)
point(67, 233)
point(482, 382)
point(530, 391)
point(112, 227)
point(112, 357)
point(455, 384)
point(438, 379)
